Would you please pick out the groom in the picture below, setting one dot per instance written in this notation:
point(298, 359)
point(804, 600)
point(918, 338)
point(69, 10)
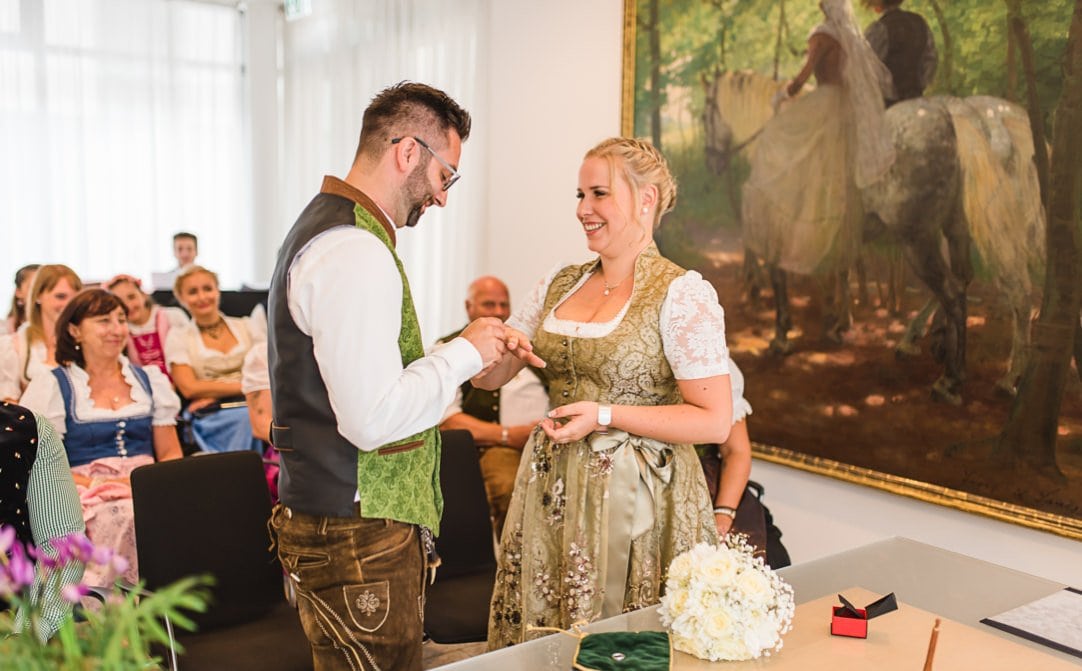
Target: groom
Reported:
point(356, 401)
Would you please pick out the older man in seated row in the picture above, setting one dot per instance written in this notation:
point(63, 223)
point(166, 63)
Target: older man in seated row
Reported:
point(500, 421)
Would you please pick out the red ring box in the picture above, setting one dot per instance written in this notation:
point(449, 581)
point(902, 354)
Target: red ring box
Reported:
point(848, 620)
point(842, 623)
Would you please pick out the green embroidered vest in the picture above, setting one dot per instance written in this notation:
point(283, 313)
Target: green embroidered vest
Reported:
point(400, 480)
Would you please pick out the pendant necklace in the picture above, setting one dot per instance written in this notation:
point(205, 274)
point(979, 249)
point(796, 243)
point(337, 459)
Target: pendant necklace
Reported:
point(608, 287)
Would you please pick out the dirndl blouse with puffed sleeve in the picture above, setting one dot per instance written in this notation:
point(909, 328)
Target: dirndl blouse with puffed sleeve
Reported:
point(45, 397)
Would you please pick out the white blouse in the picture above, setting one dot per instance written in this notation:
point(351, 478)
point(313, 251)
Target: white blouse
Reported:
point(43, 396)
point(692, 324)
point(17, 367)
point(174, 316)
point(255, 374)
point(9, 368)
point(184, 345)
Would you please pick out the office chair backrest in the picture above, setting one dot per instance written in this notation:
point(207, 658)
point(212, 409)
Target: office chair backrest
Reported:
point(208, 515)
point(465, 541)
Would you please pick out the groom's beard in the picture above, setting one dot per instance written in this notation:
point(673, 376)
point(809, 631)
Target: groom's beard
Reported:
point(418, 195)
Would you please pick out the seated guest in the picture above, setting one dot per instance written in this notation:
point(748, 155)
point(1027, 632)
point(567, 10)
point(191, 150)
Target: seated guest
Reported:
point(31, 351)
point(735, 467)
point(112, 416)
point(24, 277)
point(737, 506)
point(148, 323)
point(500, 421)
point(205, 356)
point(38, 500)
point(185, 249)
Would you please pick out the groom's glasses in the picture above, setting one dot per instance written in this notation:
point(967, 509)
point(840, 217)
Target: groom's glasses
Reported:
point(448, 182)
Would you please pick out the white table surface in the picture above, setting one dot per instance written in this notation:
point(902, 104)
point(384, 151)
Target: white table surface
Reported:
point(946, 583)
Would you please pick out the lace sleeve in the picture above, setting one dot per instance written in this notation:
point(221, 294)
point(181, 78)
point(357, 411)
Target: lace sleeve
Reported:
point(693, 329)
point(528, 317)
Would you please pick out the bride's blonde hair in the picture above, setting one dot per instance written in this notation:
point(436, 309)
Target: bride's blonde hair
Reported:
point(640, 164)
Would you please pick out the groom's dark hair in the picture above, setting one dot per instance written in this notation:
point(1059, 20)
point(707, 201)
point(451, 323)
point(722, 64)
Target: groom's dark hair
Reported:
point(406, 109)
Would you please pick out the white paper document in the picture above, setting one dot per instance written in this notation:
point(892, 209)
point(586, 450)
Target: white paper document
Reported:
point(1054, 620)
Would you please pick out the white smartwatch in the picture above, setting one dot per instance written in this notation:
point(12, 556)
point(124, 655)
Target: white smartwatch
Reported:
point(604, 417)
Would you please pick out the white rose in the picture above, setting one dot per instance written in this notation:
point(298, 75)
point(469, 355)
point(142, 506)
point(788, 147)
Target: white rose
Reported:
point(717, 624)
point(676, 601)
point(718, 570)
point(753, 585)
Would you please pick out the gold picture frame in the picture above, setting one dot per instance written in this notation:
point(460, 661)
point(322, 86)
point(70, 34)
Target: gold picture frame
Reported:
point(1062, 525)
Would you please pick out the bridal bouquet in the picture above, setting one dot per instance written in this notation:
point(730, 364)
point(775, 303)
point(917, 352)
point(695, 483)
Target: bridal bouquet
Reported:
point(722, 603)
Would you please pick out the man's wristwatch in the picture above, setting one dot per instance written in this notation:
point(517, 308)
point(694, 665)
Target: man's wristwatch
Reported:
point(503, 435)
point(604, 417)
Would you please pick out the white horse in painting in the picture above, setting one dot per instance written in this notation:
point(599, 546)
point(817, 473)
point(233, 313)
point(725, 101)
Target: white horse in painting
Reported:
point(963, 174)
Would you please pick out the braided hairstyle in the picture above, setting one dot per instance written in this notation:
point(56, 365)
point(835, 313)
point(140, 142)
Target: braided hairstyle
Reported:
point(640, 164)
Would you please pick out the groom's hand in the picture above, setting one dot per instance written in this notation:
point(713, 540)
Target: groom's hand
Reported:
point(487, 335)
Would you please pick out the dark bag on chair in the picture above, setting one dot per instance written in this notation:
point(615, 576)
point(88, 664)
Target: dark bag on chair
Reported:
point(752, 517)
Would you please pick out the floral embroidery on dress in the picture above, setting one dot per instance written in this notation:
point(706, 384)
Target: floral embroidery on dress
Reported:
point(507, 596)
point(543, 587)
point(541, 464)
point(554, 502)
point(580, 579)
point(602, 463)
point(367, 603)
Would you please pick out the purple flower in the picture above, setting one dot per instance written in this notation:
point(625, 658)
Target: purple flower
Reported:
point(65, 551)
point(73, 592)
point(20, 568)
point(7, 537)
point(81, 547)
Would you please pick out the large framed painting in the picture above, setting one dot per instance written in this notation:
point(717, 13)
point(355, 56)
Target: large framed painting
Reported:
point(880, 377)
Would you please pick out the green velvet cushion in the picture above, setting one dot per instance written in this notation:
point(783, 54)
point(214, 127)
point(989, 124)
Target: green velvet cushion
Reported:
point(617, 650)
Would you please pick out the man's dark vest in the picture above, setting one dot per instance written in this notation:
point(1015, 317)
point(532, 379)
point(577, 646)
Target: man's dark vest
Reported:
point(907, 36)
point(324, 480)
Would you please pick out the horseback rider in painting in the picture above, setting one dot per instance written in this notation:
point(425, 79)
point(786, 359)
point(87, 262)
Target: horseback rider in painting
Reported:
point(904, 42)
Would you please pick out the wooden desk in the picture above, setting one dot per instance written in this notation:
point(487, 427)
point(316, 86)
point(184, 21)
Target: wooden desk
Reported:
point(954, 586)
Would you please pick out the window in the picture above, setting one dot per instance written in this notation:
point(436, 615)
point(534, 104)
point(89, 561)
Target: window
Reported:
point(122, 122)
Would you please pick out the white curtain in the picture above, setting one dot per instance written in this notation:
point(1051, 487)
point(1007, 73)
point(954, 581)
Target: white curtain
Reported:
point(335, 60)
point(121, 122)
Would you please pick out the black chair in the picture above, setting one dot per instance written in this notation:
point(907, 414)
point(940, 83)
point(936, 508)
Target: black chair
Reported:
point(208, 515)
point(457, 604)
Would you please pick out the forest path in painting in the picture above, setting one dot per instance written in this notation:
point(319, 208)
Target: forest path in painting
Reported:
point(858, 404)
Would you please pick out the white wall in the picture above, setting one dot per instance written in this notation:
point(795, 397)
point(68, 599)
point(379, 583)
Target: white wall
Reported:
point(555, 91)
point(554, 88)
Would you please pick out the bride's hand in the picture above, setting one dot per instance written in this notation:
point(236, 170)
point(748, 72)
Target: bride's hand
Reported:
point(581, 421)
point(520, 346)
